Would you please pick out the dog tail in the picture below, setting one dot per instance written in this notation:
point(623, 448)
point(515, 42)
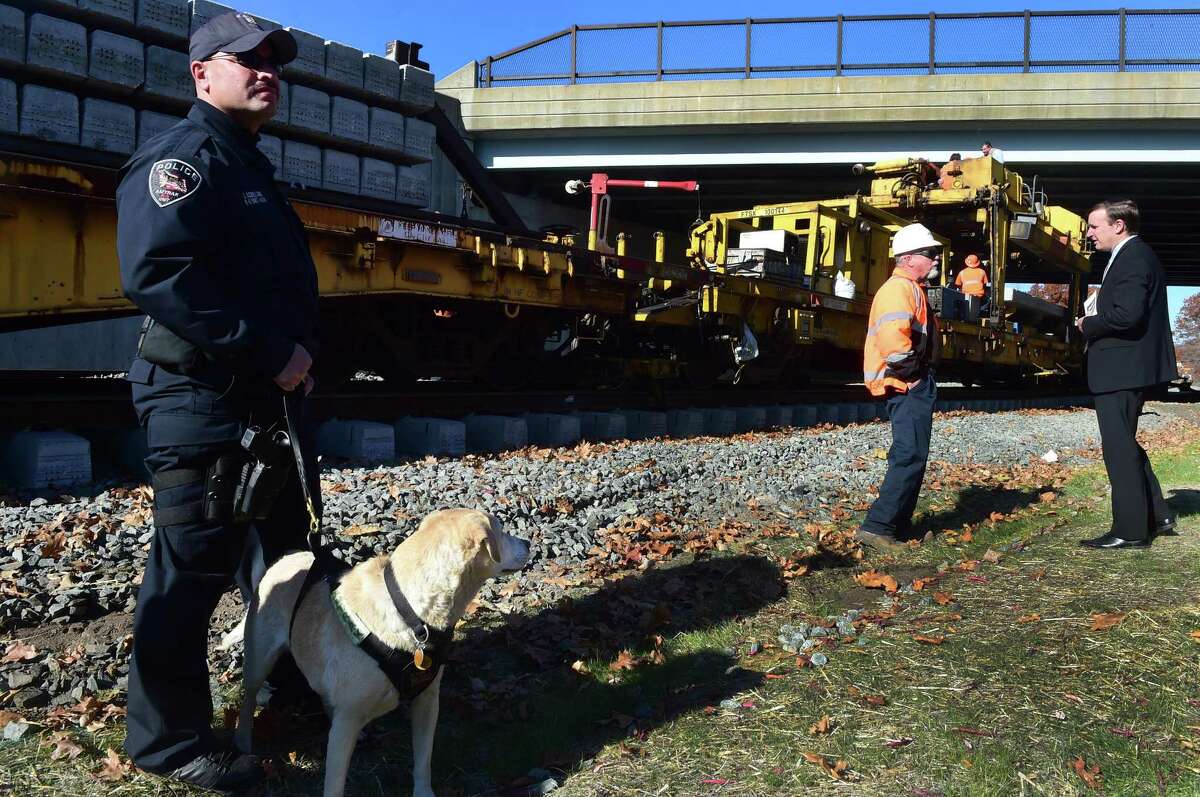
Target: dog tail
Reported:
point(236, 635)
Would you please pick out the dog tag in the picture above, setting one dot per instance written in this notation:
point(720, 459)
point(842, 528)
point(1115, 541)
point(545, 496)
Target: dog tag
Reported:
point(420, 660)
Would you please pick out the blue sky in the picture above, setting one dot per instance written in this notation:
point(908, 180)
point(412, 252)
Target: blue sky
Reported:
point(454, 32)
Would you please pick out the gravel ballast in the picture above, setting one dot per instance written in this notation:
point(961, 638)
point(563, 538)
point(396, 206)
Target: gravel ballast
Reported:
point(80, 598)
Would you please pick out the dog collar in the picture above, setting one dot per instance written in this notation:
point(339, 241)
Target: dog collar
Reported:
point(411, 673)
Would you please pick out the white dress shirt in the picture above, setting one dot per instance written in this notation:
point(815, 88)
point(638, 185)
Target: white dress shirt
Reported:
point(1089, 307)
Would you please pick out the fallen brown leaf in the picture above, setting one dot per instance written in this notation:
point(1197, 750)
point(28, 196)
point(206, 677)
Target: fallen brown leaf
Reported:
point(929, 640)
point(64, 746)
point(836, 771)
point(1047, 497)
point(53, 547)
point(1101, 622)
point(18, 651)
point(362, 531)
point(895, 744)
point(1090, 775)
point(1029, 618)
point(943, 598)
point(112, 768)
point(657, 656)
point(625, 661)
point(873, 579)
point(1195, 635)
point(821, 726)
point(974, 732)
point(993, 557)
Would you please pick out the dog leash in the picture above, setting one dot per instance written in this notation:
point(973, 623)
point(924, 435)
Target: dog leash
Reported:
point(314, 523)
point(325, 566)
point(433, 645)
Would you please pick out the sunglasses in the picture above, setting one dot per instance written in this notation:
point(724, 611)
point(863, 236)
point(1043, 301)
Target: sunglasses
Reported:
point(251, 60)
point(932, 254)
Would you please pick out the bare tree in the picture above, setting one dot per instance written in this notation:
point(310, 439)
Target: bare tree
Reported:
point(1187, 336)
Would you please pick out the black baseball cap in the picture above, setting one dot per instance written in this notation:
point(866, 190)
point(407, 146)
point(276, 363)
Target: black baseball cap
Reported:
point(236, 32)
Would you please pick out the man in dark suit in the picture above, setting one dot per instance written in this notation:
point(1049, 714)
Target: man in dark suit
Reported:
point(1129, 350)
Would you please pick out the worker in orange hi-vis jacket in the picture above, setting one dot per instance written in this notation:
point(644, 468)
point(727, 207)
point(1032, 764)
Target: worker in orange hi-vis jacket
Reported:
point(901, 352)
point(972, 280)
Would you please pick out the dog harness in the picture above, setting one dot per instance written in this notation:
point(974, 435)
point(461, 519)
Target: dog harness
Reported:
point(411, 673)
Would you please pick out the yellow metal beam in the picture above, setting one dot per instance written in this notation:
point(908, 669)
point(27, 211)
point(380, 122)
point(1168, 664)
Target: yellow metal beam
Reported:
point(59, 257)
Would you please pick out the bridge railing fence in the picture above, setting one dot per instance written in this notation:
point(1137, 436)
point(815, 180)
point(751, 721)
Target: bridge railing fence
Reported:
point(1123, 40)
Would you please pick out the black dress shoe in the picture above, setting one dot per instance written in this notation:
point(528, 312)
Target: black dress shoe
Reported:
point(1166, 527)
point(1112, 541)
point(226, 771)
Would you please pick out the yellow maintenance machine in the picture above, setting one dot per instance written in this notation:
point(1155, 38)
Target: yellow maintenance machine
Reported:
point(800, 276)
point(773, 295)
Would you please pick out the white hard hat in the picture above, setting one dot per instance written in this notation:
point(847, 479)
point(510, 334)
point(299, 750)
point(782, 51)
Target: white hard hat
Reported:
point(912, 238)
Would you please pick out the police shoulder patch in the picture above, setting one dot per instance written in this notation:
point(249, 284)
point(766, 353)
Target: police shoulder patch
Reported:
point(172, 180)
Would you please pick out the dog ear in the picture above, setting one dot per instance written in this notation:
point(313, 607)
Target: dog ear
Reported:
point(494, 530)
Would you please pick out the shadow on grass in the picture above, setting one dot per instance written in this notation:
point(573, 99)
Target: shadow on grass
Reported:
point(1184, 503)
point(572, 722)
point(511, 701)
point(974, 505)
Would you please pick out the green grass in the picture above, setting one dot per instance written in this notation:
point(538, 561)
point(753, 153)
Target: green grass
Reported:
point(1031, 695)
point(1002, 706)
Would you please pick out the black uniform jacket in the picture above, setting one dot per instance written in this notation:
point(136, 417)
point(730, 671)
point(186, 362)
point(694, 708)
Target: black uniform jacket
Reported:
point(211, 249)
point(1129, 338)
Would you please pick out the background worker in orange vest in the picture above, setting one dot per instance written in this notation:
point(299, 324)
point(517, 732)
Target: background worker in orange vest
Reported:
point(901, 352)
point(973, 280)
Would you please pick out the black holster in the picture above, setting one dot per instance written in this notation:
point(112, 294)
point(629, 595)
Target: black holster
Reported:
point(220, 487)
point(220, 482)
point(162, 347)
point(264, 476)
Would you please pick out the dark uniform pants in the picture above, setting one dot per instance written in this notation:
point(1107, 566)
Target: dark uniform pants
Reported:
point(191, 564)
point(912, 424)
point(1137, 499)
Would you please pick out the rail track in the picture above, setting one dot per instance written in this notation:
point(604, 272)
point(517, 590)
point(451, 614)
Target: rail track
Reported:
point(41, 400)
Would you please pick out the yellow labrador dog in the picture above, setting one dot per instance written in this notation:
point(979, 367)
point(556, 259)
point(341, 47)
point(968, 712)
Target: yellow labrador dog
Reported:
point(436, 572)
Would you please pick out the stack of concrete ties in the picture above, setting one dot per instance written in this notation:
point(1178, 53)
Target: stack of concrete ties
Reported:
point(108, 75)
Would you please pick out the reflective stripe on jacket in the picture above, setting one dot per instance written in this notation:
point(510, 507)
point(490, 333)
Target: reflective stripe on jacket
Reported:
point(973, 280)
point(898, 333)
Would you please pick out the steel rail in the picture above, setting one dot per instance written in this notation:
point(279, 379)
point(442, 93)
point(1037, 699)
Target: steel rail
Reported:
point(82, 402)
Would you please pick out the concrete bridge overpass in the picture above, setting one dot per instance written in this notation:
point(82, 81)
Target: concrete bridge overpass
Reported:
point(1096, 104)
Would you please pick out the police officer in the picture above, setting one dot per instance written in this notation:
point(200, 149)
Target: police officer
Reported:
point(214, 255)
point(902, 349)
